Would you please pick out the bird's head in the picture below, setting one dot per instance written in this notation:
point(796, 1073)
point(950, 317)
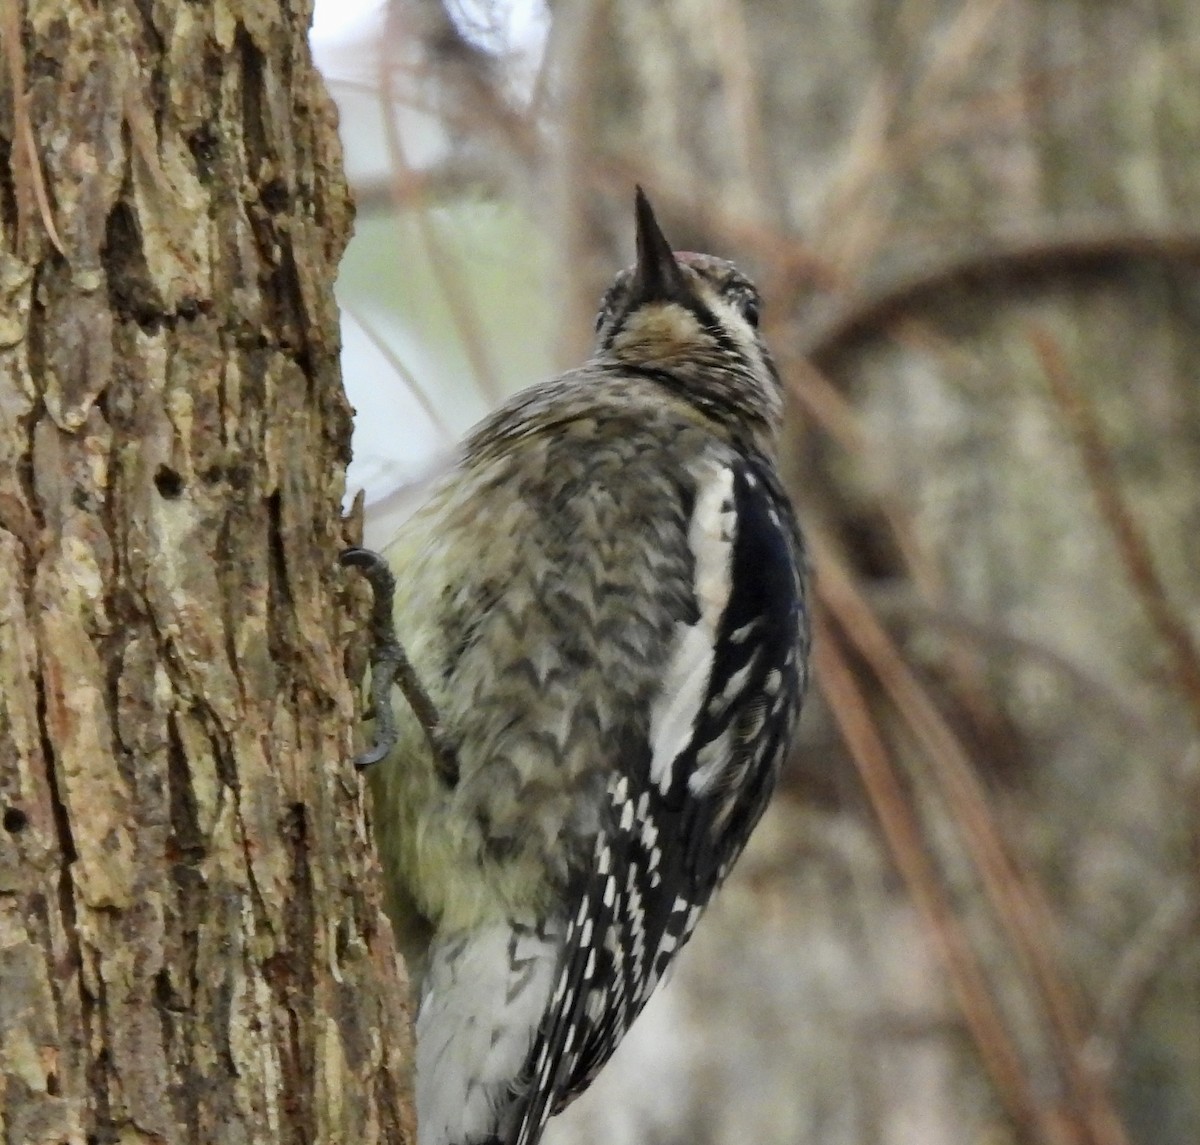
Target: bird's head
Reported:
point(693, 318)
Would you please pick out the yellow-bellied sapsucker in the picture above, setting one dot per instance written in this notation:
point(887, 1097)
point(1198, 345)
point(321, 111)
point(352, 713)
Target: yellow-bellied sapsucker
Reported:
point(602, 608)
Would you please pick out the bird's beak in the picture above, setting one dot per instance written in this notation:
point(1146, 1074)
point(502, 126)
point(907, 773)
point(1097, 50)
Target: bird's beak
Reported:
point(657, 276)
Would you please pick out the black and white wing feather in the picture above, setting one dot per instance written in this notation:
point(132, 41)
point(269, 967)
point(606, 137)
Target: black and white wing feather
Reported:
point(680, 811)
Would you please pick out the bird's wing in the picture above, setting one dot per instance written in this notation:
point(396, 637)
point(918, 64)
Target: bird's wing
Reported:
point(691, 785)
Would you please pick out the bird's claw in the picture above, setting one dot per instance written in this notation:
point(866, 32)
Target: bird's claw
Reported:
point(386, 655)
point(390, 666)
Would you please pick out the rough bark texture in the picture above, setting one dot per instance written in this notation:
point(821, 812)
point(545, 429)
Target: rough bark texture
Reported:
point(191, 945)
point(980, 220)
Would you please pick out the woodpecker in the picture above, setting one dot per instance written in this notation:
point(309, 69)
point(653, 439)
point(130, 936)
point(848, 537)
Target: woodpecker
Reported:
point(601, 635)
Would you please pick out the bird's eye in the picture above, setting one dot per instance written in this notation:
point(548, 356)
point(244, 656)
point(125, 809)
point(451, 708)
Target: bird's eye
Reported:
point(751, 311)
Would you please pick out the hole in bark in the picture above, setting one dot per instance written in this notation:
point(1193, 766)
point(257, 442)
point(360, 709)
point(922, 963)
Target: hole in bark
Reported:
point(8, 195)
point(168, 482)
point(52, 1089)
point(274, 196)
point(203, 145)
point(131, 290)
point(164, 993)
point(15, 820)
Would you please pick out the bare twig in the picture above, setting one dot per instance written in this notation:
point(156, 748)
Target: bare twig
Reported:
point(581, 32)
point(823, 401)
point(730, 39)
point(457, 178)
point(902, 831)
point(958, 49)
point(410, 190)
point(1018, 258)
point(1174, 918)
point(1086, 686)
point(1025, 921)
point(1131, 543)
point(393, 359)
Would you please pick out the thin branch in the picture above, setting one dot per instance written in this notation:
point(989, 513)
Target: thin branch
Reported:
point(410, 191)
point(581, 31)
point(469, 179)
point(427, 404)
point(1021, 913)
point(992, 639)
point(823, 401)
point(731, 42)
point(1132, 546)
point(1019, 258)
point(958, 50)
point(902, 832)
point(1174, 919)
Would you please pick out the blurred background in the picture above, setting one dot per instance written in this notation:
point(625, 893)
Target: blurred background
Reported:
point(973, 913)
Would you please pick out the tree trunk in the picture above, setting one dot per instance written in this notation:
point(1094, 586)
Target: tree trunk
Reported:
point(191, 941)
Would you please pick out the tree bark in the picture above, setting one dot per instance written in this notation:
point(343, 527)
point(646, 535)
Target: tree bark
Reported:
point(191, 942)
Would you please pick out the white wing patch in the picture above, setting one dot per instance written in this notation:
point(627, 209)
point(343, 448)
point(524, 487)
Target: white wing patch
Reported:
point(677, 706)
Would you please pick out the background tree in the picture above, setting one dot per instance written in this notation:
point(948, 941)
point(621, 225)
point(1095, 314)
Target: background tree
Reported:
point(191, 945)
